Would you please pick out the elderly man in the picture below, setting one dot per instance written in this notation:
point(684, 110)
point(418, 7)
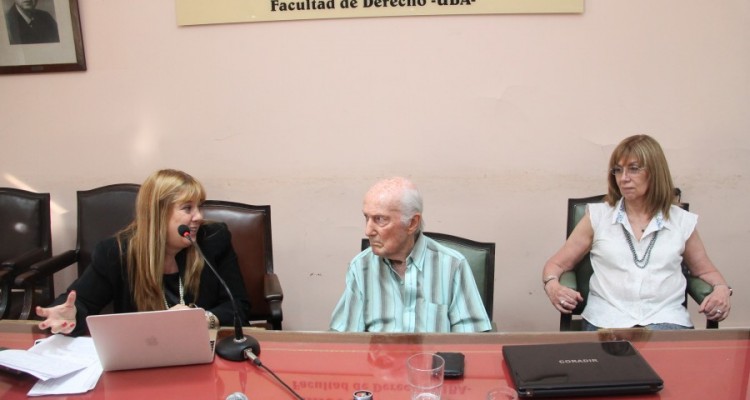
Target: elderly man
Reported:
point(405, 281)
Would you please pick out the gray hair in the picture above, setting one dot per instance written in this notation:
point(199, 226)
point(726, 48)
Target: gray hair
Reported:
point(411, 205)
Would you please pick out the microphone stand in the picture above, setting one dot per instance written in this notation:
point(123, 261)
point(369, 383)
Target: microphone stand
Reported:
point(231, 347)
point(241, 347)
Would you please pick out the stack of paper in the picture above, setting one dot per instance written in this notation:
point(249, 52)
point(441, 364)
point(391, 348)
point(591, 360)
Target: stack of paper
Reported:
point(64, 365)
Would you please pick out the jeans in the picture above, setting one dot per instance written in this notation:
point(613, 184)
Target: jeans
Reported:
point(587, 326)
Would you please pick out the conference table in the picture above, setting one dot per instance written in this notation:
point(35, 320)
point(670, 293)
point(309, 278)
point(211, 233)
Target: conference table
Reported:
point(695, 364)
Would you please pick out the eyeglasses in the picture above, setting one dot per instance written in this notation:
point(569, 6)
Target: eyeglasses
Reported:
point(631, 169)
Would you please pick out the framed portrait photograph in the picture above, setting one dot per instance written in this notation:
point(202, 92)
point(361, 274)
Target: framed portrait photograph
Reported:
point(40, 36)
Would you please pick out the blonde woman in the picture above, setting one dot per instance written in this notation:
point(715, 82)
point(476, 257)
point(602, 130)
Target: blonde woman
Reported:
point(149, 266)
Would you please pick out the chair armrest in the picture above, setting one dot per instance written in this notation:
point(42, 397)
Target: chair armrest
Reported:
point(698, 288)
point(47, 267)
point(274, 295)
point(568, 279)
point(272, 288)
point(23, 261)
point(5, 273)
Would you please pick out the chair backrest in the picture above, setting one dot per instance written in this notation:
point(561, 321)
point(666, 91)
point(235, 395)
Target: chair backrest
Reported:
point(250, 226)
point(583, 270)
point(24, 222)
point(481, 258)
point(102, 212)
point(25, 237)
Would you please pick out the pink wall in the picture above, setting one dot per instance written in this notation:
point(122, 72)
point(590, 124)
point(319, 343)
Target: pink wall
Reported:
point(498, 119)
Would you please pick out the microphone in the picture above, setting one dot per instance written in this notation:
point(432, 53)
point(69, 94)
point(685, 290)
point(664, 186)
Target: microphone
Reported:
point(228, 348)
point(240, 347)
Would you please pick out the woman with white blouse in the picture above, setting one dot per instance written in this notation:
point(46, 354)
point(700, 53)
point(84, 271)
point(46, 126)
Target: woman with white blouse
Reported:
point(638, 239)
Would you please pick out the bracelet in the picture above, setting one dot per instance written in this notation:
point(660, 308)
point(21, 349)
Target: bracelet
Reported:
point(213, 322)
point(546, 280)
point(724, 284)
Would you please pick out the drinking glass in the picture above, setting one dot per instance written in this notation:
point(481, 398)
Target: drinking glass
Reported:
point(502, 393)
point(425, 376)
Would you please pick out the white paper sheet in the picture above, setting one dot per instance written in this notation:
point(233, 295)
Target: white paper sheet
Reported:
point(64, 365)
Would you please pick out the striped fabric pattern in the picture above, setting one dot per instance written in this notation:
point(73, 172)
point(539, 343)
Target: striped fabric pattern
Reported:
point(437, 294)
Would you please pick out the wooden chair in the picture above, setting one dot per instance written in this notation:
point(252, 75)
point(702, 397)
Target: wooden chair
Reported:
point(26, 239)
point(251, 238)
point(102, 212)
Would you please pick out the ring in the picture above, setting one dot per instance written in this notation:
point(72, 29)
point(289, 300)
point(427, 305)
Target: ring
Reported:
point(718, 311)
point(562, 302)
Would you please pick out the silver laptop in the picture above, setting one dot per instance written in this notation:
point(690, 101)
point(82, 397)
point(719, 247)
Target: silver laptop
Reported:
point(580, 369)
point(152, 339)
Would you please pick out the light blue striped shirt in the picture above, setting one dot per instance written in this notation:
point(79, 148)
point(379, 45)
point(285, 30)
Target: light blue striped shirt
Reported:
point(437, 294)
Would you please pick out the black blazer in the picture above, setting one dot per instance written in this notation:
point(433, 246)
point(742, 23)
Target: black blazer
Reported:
point(106, 280)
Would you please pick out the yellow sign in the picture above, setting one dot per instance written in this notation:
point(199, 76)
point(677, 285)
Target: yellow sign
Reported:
point(199, 12)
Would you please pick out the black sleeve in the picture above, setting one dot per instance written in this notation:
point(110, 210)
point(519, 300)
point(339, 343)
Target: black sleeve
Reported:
point(101, 281)
point(216, 242)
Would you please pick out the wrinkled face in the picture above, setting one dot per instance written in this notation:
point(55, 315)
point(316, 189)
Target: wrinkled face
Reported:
point(389, 237)
point(183, 213)
point(632, 178)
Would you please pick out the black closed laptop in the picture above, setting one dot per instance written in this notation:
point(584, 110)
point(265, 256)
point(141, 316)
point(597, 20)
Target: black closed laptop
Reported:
point(580, 369)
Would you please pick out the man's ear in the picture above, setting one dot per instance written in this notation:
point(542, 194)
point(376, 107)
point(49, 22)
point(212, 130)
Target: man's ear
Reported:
point(414, 223)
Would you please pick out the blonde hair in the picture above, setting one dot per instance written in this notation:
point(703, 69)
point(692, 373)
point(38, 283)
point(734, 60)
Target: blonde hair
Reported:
point(146, 237)
point(647, 151)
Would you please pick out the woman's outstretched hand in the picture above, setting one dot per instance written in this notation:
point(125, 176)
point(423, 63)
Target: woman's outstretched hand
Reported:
point(60, 318)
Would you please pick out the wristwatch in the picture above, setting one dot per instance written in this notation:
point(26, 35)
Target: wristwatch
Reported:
point(213, 322)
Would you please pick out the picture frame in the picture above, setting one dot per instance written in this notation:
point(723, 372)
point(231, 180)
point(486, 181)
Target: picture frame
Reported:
point(51, 42)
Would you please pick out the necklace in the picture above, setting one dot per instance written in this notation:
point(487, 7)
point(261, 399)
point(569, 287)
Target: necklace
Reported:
point(640, 262)
point(181, 289)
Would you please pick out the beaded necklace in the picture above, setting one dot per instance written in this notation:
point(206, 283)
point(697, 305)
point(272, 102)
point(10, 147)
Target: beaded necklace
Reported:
point(181, 289)
point(643, 261)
